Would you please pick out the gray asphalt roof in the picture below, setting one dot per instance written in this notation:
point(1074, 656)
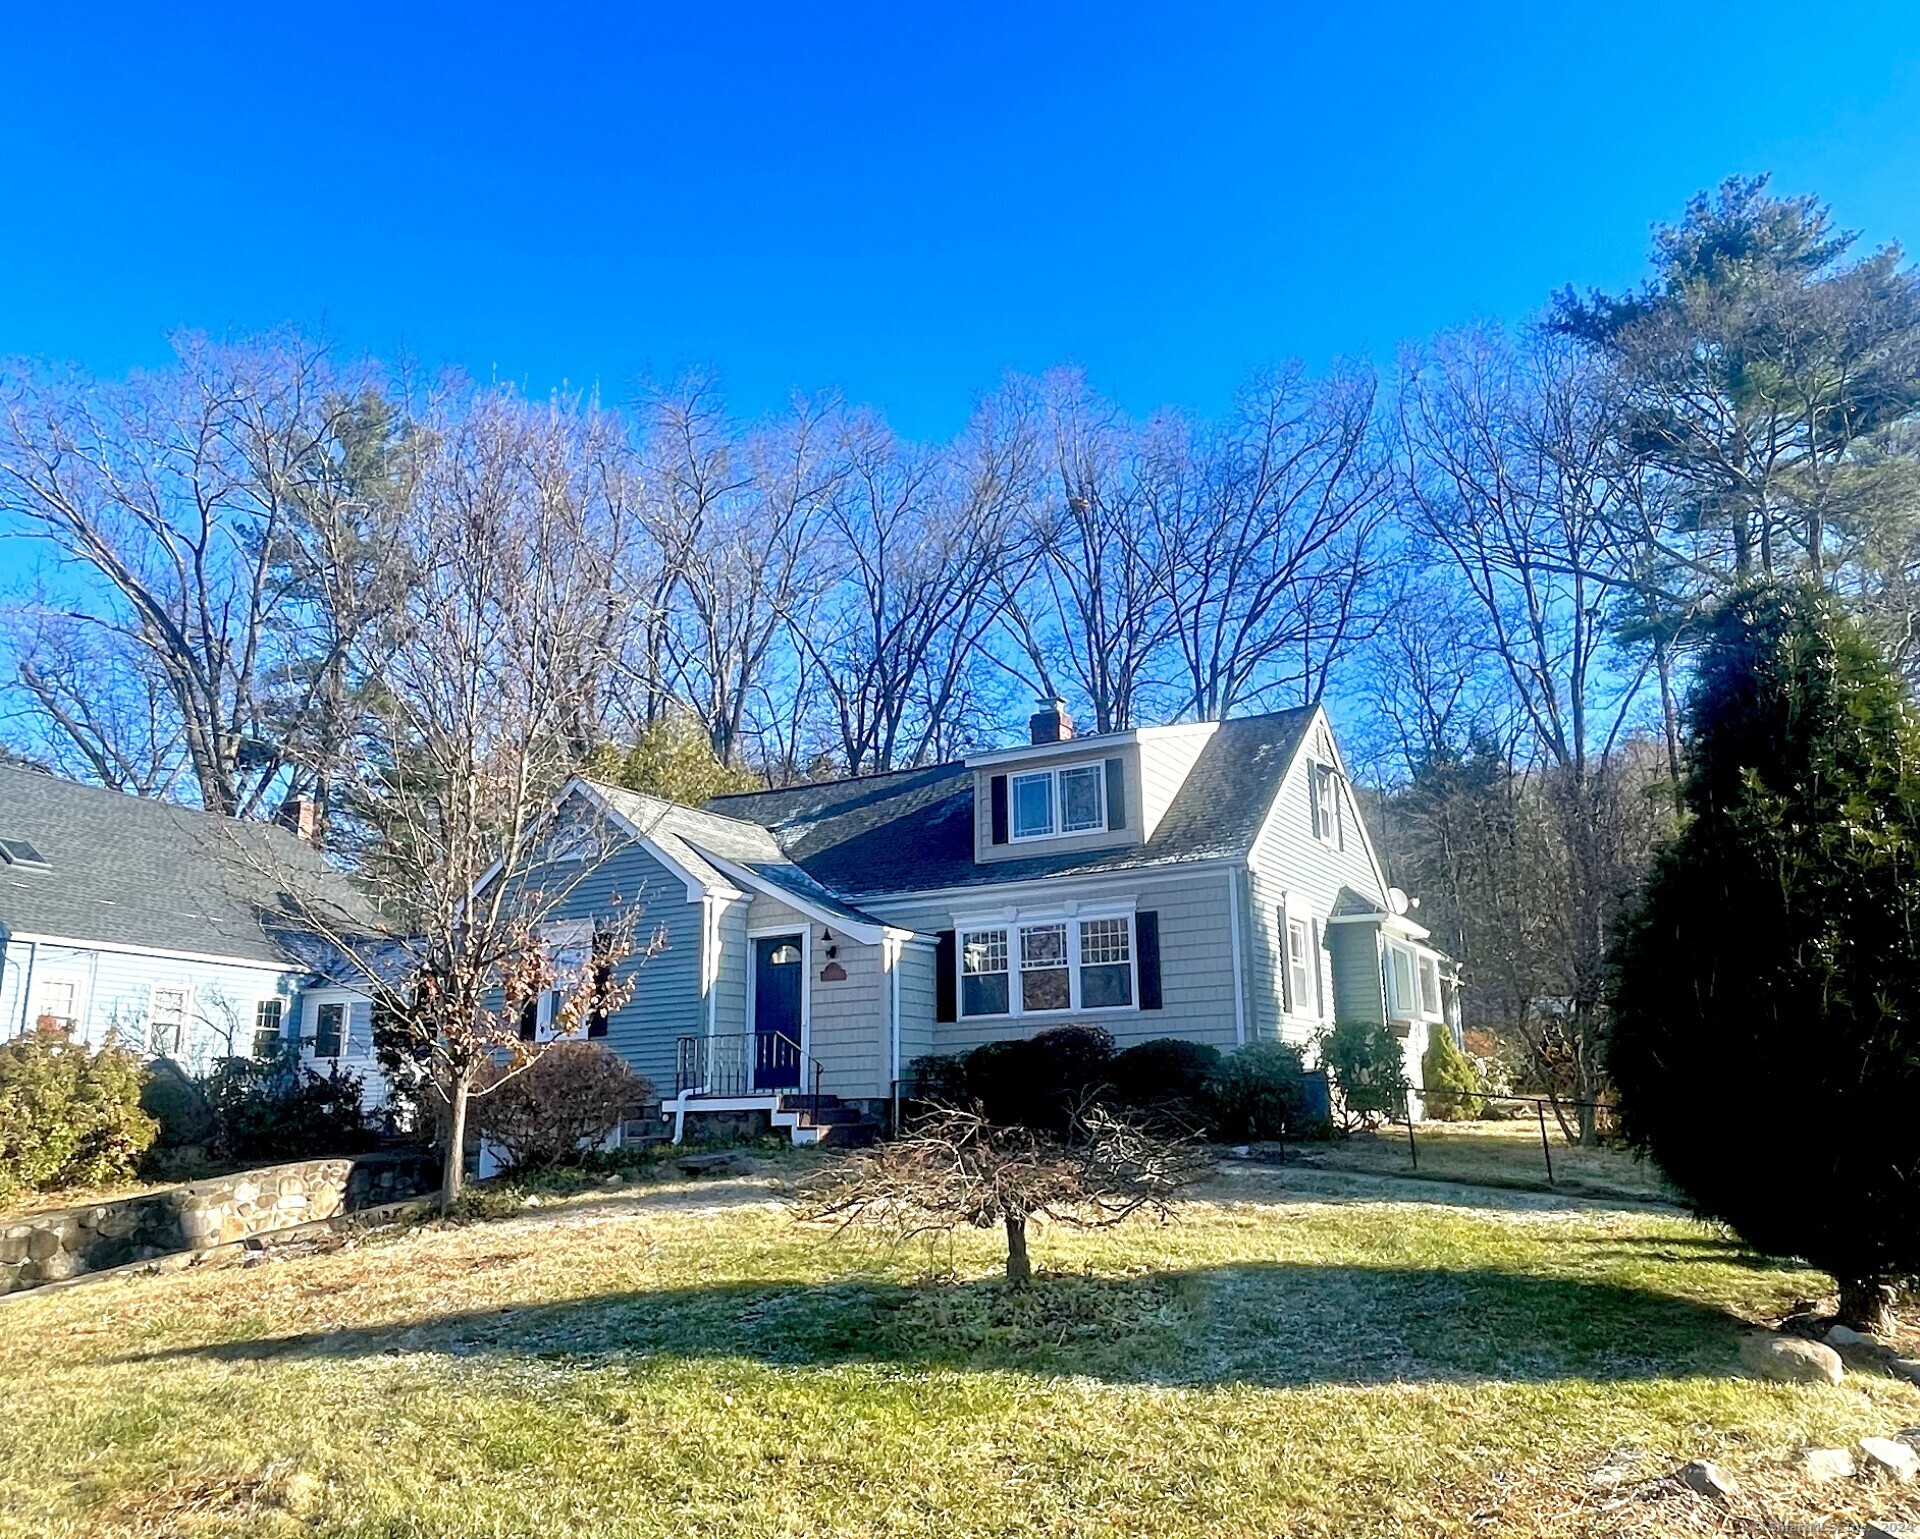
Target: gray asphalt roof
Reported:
point(912, 830)
point(125, 871)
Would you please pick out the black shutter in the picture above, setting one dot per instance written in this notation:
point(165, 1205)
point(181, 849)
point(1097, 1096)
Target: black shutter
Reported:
point(1146, 935)
point(530, 1019)
point(946, 964)
point(999, 786)
point(597, 1022)
point(1116, 793)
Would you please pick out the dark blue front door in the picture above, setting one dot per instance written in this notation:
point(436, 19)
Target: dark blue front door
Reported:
point(778, 977)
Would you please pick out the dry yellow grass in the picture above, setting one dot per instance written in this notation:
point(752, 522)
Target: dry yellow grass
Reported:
point(1299, 1354)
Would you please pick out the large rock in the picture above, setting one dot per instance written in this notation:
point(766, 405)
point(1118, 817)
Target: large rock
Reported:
point(1705, 1478)
point(1907, 1368)
point(1889, 1456)
point(1792, 1359)
point(1828, 1464)
point(729, 1162)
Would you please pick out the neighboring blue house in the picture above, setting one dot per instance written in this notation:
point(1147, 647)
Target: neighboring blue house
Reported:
point(162, 928)
point(1212, 882)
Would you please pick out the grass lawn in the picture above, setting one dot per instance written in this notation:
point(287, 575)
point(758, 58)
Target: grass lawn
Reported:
point(1301, 1354)
point(1497, 1153)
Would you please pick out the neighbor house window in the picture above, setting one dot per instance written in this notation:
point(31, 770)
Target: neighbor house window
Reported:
point(1044, 984)
point(1106, 963)
point(59, 999)
point(329, 1030)
point(167, 1011)
point(1300, 991)
point(1033, 805)
point(983, 972)
point(267, 1017)
point(1064, 964)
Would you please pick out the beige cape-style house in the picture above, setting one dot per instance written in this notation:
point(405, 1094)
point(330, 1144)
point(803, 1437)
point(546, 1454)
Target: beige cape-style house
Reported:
point(1212, 882)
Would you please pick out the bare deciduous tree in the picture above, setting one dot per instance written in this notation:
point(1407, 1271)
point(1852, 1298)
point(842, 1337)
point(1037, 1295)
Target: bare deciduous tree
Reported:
point(955, 1169)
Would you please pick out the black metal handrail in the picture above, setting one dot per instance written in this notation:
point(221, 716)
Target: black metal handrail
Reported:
point(743, 1063)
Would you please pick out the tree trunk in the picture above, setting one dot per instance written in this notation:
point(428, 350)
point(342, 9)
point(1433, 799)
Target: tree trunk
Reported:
point(454, 1172)
point(1019, 1265)
point(1866, 1303)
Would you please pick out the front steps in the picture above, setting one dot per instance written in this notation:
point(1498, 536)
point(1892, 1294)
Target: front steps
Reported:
point(805, 1118)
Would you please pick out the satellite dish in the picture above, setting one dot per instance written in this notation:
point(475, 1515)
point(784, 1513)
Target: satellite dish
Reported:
point(1397, 901)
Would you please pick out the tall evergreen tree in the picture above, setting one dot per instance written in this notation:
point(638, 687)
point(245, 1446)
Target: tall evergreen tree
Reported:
point(1766, 993)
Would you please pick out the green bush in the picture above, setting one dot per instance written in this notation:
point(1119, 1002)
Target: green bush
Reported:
point(1041, 1081)
point(941, 1079)
point(1260, 1091)
point(279, 1108)
point(1168, 1076)
point(1367, 1065)
point(1452, 1083)
point(69, 1116)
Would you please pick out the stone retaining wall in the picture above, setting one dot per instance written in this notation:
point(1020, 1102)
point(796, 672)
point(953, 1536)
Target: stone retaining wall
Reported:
point(51, 1247)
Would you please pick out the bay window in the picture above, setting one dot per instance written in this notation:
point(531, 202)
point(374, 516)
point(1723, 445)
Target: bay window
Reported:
point(1048, 966)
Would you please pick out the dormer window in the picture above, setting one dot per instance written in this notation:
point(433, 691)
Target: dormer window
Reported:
point(1065, 801)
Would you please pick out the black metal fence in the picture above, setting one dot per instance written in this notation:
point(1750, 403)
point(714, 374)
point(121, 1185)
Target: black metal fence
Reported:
point(746, 1063)
point(1540, 1105)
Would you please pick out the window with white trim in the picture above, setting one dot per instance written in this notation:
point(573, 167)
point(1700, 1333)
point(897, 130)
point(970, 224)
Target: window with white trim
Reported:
point(1300, 991)
point(983, 972)
point(1106, 963)
point(1046, 803)
point(268, 1016)
point(1429, 986)
point(1044, 982)
point(59, 1005)
point(1032, 799)
point(1323, 795)
point(330, 1029)
point(167, 1012)
point(1047, 966)
point(1401, 999)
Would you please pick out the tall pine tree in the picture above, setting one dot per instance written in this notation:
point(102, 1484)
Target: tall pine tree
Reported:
point(1766, 993)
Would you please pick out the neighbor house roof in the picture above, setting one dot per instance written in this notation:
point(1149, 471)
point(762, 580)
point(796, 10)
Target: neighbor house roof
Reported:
point(912, 830)
point(126, 871)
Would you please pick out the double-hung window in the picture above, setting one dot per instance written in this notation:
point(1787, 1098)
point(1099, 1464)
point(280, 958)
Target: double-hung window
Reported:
point(1300, 990)
point(330, 1029)
point(1401, 999)
point(1047, 966)
point(1106, 963)
point(167, 1011)
point(267, 1016)
point(983, 972)
point(1323, 792)
point(1066, 801)
point(59, 999)
point(1044, 983)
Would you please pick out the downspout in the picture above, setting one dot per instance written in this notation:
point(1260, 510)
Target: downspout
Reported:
point(893, 1085)
point(1239, 965)
point(26, 988)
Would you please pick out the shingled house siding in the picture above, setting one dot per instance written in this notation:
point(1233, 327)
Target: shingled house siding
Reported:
point(1290, 866)
point(667, 1001)
point(1196, 959)
point(848, 1021)
point(1165, 759)
point(916, 1006)
point(1358, 992)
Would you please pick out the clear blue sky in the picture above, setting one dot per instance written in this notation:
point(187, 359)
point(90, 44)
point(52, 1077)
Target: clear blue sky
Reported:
point(900, 201)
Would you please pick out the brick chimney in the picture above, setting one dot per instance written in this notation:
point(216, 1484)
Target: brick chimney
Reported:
point(300, 816)
point(1051, 723)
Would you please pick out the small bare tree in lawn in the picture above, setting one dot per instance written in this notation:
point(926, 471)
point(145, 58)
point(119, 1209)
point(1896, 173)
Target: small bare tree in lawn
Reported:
point(957, 1169)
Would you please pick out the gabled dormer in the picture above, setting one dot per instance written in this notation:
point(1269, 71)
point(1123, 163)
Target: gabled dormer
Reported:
point(1061, 794)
